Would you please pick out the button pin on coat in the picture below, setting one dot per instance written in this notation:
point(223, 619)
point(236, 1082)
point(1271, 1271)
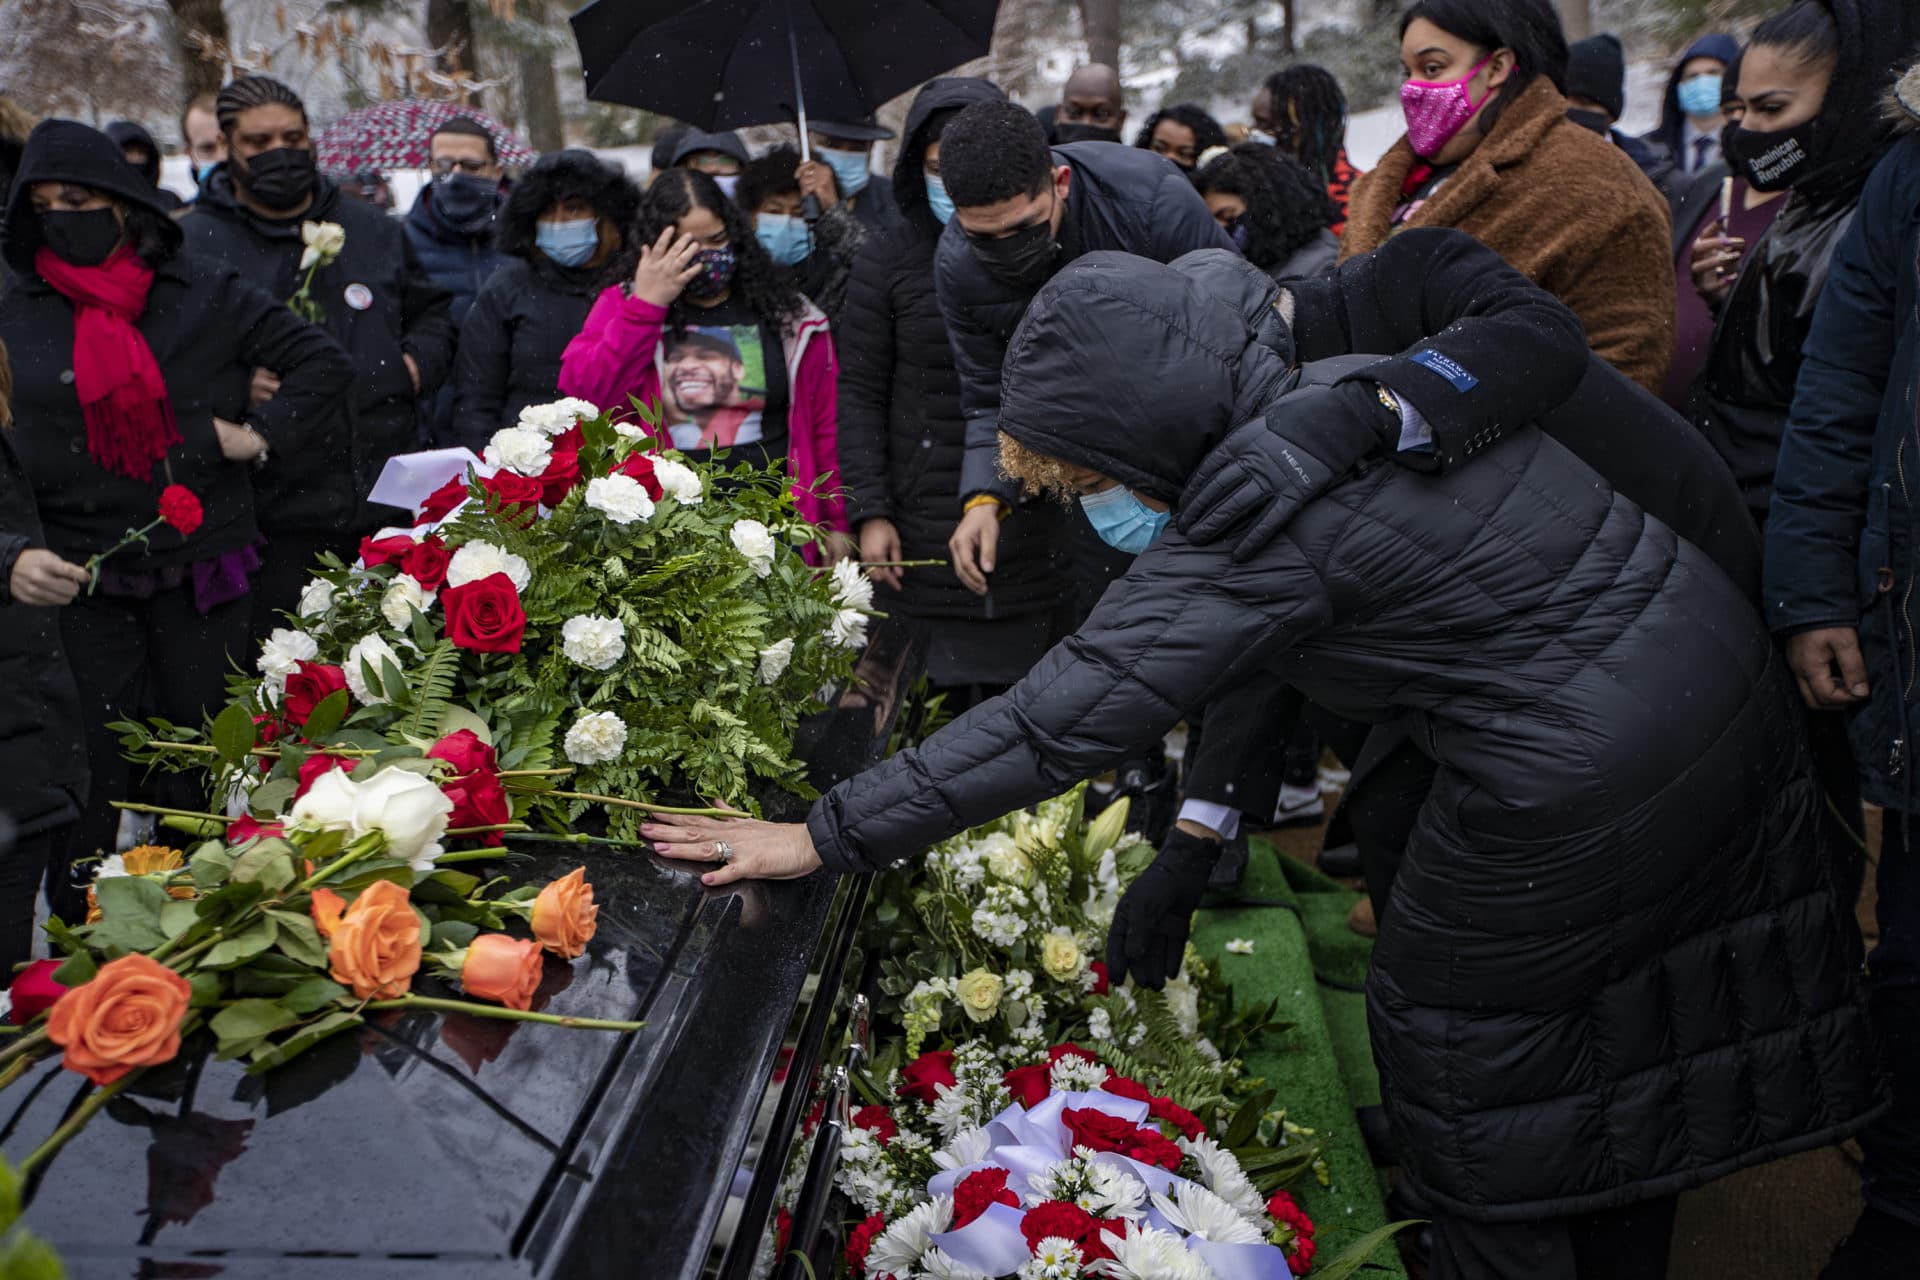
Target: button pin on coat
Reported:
point(358, 296)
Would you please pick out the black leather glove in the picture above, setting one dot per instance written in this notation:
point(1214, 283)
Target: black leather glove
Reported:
point(1255, 481)
point(1155, 915)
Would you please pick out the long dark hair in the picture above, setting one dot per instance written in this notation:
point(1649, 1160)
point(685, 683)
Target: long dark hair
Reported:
point(757, 281)
point(1286, 205)
point(1531, 28)
point(1309, 116)
point(561, 176)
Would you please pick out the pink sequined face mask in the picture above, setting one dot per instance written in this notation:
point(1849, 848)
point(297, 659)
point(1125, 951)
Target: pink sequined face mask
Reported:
point(1436, 110)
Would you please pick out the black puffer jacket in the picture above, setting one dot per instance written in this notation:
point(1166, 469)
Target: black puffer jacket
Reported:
point(901, 434)
point(511, 343)
point(1613, 939)
point(378, 304)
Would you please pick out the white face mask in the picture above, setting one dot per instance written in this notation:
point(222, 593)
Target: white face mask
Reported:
point(727, 183)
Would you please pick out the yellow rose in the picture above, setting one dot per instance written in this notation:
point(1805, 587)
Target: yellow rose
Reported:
point(1060, 956)
point(979, 993)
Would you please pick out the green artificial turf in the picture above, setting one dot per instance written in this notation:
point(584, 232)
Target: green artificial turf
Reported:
point(1322, 1067)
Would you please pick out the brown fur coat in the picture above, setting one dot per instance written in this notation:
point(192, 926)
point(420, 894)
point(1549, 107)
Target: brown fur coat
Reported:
point(1563, 205)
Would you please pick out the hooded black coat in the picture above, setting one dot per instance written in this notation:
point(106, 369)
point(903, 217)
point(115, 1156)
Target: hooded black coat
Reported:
point(902, 436)
point(309, 491)
point(1613, 966)
point(1121, 198)
point(1669, 136)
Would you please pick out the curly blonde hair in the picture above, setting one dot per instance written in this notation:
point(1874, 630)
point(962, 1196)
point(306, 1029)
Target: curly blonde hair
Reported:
point(1036, 473)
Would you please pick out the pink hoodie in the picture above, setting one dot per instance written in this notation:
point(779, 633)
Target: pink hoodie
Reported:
point(618, 353)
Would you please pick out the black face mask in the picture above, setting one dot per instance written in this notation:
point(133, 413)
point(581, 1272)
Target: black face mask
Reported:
point(1022, 260)
point(1593, 120)
point(281, 178)
point(1772, 161)
point(466, 204)
point(83, 239)
point(1065, 133)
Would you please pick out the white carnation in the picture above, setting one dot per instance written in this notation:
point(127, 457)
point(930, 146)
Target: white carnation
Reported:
point(680, 481)
point(479, 560)
point(402, 598)
point(774, 660)
point(852, 588)
point(751, 540)
point(595, 738)
point(375, 652)
point(283, 651)
point(627, 431)
point(593, 641)
point(556, 418)
point(316, 599)
point(848, 629)
point(622, 498)
point(520, 449)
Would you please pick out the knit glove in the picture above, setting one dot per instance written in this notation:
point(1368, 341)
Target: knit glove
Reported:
point(1150, 926)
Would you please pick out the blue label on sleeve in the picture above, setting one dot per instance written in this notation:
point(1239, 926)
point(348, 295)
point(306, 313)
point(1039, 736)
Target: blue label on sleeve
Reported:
point(1447, 368)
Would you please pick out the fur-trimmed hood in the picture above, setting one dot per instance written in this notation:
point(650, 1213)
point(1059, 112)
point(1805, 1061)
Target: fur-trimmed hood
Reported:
point(1903, 104)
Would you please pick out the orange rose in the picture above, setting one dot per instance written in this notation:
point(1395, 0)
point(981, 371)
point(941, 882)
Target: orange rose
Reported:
point(326, 908)
point(376, 946)
point(502, 969)
point(127, 1017)
point(564, 914)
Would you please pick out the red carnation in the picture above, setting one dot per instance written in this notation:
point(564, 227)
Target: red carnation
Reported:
point(563, 466)
point(1102, 982)
point(1298, 1228)
point(1057, 1218)
point(374, 552)
point(861, 1242)
point(921, 1078)
point(783, 1232)
point(427, 563)
point(249, 828)
point(1099, 1131)
point(1028, 1085)
point(1122, 1087)
point(179, 508)
point(314, 765)
point(478, 798)
point(880, 1120)
point(976, 1191)
point(34, 991)
point(310, 684)
point(1179, 1117)
point(640, 466)
point(519, 495)
point(442, 500)
point(485, 616)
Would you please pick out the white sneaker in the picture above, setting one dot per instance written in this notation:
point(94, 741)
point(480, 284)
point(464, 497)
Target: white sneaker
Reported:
point(1299, 807)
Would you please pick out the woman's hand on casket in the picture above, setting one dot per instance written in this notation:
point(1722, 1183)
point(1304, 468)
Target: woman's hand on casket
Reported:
point(1150, 926)
point(760, 850)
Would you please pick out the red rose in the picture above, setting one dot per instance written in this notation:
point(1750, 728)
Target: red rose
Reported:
point(1101, 1132)
point(34, 991)
point(249, 828)
point(1102, 983)
point(563, 467)
point(1122, 1087)
point(427, 563)
point(266, 731)
point(485, 616)
point(478, 798)
point(314, 765)
point(1028, 1085)
point(179, 508)
point(976, 1191)
point(1179, 1117)
point(442, 500)
point(384, 550)
point(640, 466)
point(519, 495)
point(880, 1120)
point(309, 685)
point(783, 1232)
point(1060, 1051)
point(1300, 1248)
point(920, 1078)
point(1057, 1218)
point(861, 1241)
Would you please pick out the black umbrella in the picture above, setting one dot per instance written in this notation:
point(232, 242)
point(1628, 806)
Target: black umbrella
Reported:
point(721, 64)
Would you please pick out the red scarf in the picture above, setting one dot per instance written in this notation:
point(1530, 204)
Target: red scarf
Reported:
point(122, 395)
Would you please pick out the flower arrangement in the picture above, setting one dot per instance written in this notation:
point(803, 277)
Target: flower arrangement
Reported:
point(281, 936)
point(179, 509)
point(586, 607)
point(322, 243)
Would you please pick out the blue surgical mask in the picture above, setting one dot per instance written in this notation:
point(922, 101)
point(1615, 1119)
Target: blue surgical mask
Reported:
point(568, 243)
point(938, 200)
point(1700, 96)
point(1123, 521)
point(849, 169)
point(786, 238)
point(200, 172)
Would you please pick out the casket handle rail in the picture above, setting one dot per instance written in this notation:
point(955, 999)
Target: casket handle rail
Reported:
point(816, 1191)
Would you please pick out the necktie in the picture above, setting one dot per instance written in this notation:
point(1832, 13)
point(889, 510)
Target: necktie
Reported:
point(1700, 149)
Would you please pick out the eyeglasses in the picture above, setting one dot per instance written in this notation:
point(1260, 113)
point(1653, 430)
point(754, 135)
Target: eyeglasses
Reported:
point(471, 167)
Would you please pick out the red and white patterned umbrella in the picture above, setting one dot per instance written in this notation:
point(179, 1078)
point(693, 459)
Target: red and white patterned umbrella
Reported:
point(394, 135)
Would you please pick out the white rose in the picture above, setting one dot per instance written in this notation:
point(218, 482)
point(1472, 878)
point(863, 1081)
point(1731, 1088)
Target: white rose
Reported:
point(593, 641)
point(558, 417)
point(595, 738)
point(680, 481)
point(323, 241)
point(622, 498)
point(410, 809)
point(479, 560)
point(751, 539)
point(283, 651)
point(402, 598)
point(774, 660)
point(316, 599)
point(328, 804)
point(375, 652)
point(848, 629)
point(520, 449)
point(852, 588)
